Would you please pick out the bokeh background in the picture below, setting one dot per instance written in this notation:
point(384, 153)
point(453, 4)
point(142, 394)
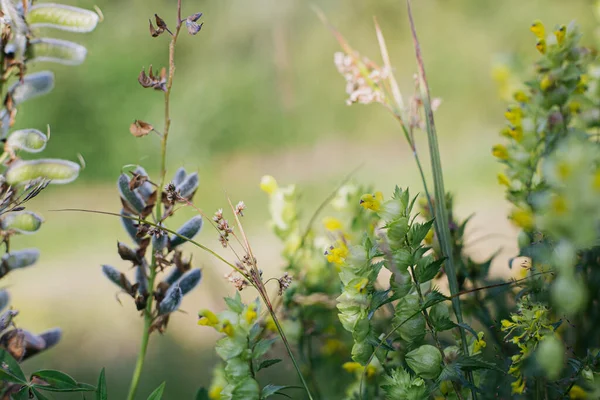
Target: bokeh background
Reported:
point(256, 92)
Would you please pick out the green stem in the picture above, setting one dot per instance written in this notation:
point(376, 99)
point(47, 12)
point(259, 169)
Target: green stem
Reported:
point(148, 318)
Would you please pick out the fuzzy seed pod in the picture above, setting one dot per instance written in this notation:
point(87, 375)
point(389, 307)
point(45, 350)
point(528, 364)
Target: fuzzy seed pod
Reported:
point(179, 176)
point(24, 222)
point(127, 253)
point(133, 200)
point(141, 278)
point(130, 227)
point(188, 230)
point(189, 280)
point(160, 240)
point(146, 189)
point(4, 299)
point(172, 300)
point(188, 187)
point(20, 258)
point(426, 361)
point(116, 277)
point(6, 318)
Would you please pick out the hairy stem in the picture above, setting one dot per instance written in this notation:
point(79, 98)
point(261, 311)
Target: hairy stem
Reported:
point(148, 318)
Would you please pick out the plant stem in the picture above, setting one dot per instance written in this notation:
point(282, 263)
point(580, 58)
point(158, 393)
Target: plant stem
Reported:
point(148, 318)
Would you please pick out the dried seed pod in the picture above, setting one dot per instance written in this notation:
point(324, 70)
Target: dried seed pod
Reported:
point(13, 342)
point(130, 226)
point(188, 230)
point(189, 280)
point(130, 198)
point(146, 189)
point(172, 300)
point(179, 176)
point(188, 187)
point(127, 253)
point(20, 258)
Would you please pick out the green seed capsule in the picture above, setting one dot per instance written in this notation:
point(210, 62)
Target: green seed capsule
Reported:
point(426, 361)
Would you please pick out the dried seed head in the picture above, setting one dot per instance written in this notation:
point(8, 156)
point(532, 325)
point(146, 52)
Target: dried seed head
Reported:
point(284, 282)
point(236, 280)
point(218, 215)
point(239, 208)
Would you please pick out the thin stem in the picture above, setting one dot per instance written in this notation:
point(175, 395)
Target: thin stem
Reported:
point(148, 318)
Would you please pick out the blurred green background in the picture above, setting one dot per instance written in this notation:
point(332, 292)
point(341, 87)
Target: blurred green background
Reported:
point(256, 92)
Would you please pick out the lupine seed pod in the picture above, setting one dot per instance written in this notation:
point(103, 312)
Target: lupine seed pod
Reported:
point(131, 198)
point(4, 299)
point(14, 343)
point(29, 140)
point(63, 17)
point(189, 280)
point(172, 300)
point(188, 187)
point(57, 50)
point(24, 222)
point(146, 189)
point(6, 318)
point(127, 253)
point(179, 176)
point(55, 170)
point(130, 226)
point(50, 337)
point(188, 230)
point(141, 278)
point(34, 341)
point(160, 240)
point(31, 86)
point(118, 278)
point(20, 258)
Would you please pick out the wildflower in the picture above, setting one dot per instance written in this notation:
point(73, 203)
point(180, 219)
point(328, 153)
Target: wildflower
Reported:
point(361, 285)
point(251, 313)
point(503, 179)
point(560, 34)
point(521, 96)
point(516, 132)
point(559, 204)
point(513, 114)
point(537, 27)
point(546, 82)
point(577, 392)
point(270, 324)
point(268, 184)
point(332, 224)
point(371, 371)
point(372, 201)
point(522, 218)
point(218, 215)
point(236, 280)
point(574, 107)
point(207, 318)
point(479, 343)
point(363, 78)
point(338, 254)
point(541, 46)
point(284, 282)
point(352, 367)
point(582, 85)
point(215, 392)
point(239, 208)
point(227, 328)
point(332, 346)
point(499, 151)
point(518, 386)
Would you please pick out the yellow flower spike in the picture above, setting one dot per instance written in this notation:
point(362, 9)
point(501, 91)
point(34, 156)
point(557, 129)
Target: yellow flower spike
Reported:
point(227, 328)
point(215, 392)
point(513, 369)
point(371, 371)
point(503, 180)
point(522, 218)
point(518, 386)
point(499, 151)
point(251, 313)
point(537, 27)
point(546, 82)
point(268, 184)
point(559, 204)
point(560, 34)
point(332, 224)
point(352, 367)
point(207, 318)
point(337, 255)
point(521, 96)
point(362, 285)
point(506, 132)
point(513, 114)
point(516, 132)
point(479, 343)
point(372, 201)
point(577, 392)
point(541, 46)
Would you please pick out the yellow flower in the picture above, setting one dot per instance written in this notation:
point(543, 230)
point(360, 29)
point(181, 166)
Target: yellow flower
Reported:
point(518, 386)
point(332, 224)
point(516, 132)
point(513, 114)
point(371, 371)
point(270, 324)
point(372, 201)
point(352, 366)
point(521, 96)
point(361, 285)
point(541, 46)
point(337, 255)
point(207, 318)
point(522, 218)
point(503, 179)
point(227, 328)
point(560, 34)
point(574, 107)
point(582, 84)
point(563, 170)
point(251, 313)
point(537, 27)
point(332, 346)
point(577, 392)
point(499, 151)
point(546, 82)
point(506, 324)
point(268, 184)
point(559, 204)
point(429, 237)
point(215, 392)
point(479, 343)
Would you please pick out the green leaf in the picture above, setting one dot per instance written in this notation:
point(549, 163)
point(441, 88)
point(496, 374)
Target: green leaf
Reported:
point(158, 392)
point(57, 381)
point(418, 231)
point(58, 51)
point(262, 347)
point(270, 390)
point(268, 363)
point(39, 395)
point(434, 297)
point(235, 304)
point(101, 391)
point(22, 394)
point(25, 222)
point(32, 85)
point(472, 363)
point(29, 140)
point(427, 269)
point(56, 170)
point(202, 394)
point(63, 17)
point(10, 369)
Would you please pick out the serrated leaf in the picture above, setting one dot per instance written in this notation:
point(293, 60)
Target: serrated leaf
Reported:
point(427, 269)
point(10, 369)
point(29, 140)
point(268, 363)
point(58, 51)
point(55, 170)
point(418, 231)
point(25, 222)
point(270, 390)
point(63, 17)
point(262, 347)
point(235, 304)
point(434, 297)
point(101, 390)
point(158, 392)
point(33, 85)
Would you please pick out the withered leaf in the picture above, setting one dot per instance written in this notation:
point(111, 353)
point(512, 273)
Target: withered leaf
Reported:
point(140, 128)
point(151, 81)
point(153, 31)
point(144, 80)
point(137, 180)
